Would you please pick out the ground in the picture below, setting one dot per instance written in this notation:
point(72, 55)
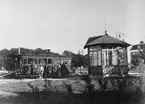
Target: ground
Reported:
point(10, 90)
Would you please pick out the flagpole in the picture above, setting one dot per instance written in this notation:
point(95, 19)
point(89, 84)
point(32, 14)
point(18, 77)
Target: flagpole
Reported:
point(116, 35)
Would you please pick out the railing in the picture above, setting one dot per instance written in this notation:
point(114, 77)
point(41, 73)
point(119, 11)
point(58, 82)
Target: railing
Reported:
point(107, 70)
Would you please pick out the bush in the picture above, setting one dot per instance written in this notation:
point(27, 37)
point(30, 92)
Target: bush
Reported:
point(33, 88)
point(89, 87)
point(47, 85)
point(103, 84)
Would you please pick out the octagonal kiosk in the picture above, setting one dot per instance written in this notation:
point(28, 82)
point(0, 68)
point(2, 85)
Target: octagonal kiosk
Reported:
point(103, 55)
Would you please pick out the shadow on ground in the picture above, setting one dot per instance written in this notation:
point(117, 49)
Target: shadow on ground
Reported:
point(47, 97)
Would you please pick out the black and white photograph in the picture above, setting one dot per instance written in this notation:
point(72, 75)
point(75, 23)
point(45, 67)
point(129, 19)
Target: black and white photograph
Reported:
point(72, 52)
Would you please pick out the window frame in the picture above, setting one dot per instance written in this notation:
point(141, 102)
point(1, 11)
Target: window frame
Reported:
point(95, 55)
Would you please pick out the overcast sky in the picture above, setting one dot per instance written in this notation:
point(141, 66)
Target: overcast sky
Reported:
point(67, 24)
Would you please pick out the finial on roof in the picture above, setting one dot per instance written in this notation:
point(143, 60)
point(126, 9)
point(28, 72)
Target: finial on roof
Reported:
point(105, 26)
point(106, 32)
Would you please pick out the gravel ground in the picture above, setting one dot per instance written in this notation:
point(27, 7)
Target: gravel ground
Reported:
point(9, 86)
point(18, 85)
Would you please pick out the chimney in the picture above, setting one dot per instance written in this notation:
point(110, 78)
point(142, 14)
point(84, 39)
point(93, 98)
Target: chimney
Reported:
point(141, 45)
point(106, 32)
point(48, 50)
point(141, 42)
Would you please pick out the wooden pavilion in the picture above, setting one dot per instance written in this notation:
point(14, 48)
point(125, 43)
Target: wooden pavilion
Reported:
point(103, 57)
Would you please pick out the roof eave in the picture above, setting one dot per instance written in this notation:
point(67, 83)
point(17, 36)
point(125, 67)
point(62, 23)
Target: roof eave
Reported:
point(127, 45)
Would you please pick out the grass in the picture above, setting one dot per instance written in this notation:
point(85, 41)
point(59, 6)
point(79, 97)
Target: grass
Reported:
point(94, 91)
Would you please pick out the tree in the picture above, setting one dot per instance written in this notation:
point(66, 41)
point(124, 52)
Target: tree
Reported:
point(78, 60)
point(8, 59)
point(139, 56)
point(135, 60)
point(22, 51)
point(68, 53)
point(5, 52)
point(38, 51)
point(137, 63)
point(14, 50)
point(10, 63)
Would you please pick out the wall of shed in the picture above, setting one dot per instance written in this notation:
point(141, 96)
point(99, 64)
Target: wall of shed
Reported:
point(95, 70)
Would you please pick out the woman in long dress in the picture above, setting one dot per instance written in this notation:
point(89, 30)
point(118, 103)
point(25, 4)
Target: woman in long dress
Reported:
point(41, 71)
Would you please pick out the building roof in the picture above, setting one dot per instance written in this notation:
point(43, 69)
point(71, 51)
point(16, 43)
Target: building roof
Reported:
point(135, 47)
point(105, 39)
point(41, 55)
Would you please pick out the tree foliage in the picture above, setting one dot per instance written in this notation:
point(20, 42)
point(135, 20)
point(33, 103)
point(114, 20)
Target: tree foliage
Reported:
point(68, 53)
point(5, 52)
point(14, 50)
point(79, 60)
point(8, 60)
point(38, 51)
point(22, 51)
point(139, 56)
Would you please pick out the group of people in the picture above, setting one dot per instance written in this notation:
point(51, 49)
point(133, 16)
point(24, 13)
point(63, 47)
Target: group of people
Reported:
point(43, 71)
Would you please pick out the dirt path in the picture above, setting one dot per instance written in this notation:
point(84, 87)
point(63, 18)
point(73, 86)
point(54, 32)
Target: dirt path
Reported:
point(10, 87)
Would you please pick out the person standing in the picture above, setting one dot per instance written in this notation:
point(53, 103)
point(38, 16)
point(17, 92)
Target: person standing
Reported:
point(59, 70)
point(32, 69)
point(45, 72)
point(51, 70)
point(41, 71)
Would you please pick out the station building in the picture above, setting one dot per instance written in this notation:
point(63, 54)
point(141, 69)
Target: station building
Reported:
point(10, 62)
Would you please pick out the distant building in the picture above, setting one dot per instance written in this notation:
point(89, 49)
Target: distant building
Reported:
point(14, 61)
point(44, 59)
point(135, 49)
point(102, 56)
point(7, 62)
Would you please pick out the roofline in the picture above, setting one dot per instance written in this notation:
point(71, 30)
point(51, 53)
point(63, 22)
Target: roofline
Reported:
point(96, 36)
point(41, 55)
point(127, 45)
point(136, 45)
point(123, 42)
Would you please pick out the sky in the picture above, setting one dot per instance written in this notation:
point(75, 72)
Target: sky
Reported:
point(67, 24)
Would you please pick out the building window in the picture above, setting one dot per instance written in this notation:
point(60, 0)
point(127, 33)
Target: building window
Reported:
point(110, 57)
point(25, 61)
point(45, 61)
point(35, 61)
point(69, 61)
point(62, 61)
point(40, 61)
point(49, 61)
point(65, 62)
point(55, 62)
point(95, 56)
point(30, 61)
point(99, 58)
